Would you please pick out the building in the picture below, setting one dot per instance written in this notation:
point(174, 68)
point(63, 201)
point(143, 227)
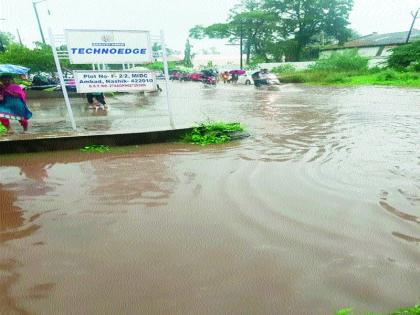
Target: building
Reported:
point(377, 47)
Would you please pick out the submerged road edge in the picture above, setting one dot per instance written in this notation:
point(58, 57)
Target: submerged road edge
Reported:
point(78, 141)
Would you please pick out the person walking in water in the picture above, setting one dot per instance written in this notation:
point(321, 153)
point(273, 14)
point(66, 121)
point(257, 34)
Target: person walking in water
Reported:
point(96, 101)
point(13, 103)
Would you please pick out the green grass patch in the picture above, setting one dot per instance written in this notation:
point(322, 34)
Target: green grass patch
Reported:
point(211, 133)
point(96, 148)
point(386, 77)
point(414, 310)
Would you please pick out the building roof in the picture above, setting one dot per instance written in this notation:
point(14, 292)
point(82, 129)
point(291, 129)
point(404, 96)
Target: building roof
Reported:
point(376, 39)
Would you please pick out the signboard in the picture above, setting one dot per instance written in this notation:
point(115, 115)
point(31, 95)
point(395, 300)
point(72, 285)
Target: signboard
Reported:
point(114, 81)
point(108, 47)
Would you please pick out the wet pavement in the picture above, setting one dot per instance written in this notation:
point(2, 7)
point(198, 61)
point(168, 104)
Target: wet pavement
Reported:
point(319, 209)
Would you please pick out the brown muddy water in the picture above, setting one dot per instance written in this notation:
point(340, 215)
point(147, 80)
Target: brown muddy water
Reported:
point(319, 209)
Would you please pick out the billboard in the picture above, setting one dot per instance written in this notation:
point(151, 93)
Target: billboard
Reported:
point(114, 81)
point(108, 46)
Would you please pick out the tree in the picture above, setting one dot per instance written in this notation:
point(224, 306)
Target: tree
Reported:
point(38, 59)
point(5, 40)
point(188, 55)
point(305, 20)
point(248, 21)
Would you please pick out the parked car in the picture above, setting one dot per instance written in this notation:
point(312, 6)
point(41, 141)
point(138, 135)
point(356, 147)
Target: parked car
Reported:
point(196, 77)
point(245, 79)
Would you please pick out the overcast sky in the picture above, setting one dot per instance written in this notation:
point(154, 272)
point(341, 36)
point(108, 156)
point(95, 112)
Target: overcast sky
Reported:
point(175, 17)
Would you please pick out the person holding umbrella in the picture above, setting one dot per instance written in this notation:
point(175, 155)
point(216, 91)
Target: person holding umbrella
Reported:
point(12, 98)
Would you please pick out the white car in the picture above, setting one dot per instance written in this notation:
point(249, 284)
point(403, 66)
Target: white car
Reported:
point(245, 79)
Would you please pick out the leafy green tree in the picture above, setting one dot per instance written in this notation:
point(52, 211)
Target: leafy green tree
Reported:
point(188, 55)
point(249, 21)
point(38, 59)
point(305, 20)
point(5, 40)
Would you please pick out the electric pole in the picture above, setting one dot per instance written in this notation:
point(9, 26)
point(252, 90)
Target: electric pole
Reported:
point(34, 3)
point(412, 25)
point(20, 39)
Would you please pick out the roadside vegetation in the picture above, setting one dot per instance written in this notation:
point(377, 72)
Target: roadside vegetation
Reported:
point(348, 68)
point(212, 133)
point(415, 310)
point(3, 130)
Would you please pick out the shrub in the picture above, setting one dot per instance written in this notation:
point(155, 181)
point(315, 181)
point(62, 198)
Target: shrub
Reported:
point(342, 62)
point(388, 75)
point(405, 55)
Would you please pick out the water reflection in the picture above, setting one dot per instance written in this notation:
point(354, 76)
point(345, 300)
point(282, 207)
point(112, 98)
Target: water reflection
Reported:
point(13, 225)
point(139, 180)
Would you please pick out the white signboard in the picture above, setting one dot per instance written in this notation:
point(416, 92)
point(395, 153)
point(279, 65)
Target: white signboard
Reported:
point(114, 81)
point(109, 47)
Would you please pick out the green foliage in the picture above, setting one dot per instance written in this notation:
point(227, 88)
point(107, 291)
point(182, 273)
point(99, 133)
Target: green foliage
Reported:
point(188, 55)
point(248, 20)
point(344, 311)
point(6, 39)
point(350, 78)
point(286, 68)
point(346, 61)
point(3, 129)
point(158, 65)
point(97, 148)
point(305, 21)
point(38, 59)
point(415, 310)
point(406, 55)
point(211, 133)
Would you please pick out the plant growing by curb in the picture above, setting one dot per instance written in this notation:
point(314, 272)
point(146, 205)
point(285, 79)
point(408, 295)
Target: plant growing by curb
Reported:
point(211, 133)
point(98, 148)
point(415, 310)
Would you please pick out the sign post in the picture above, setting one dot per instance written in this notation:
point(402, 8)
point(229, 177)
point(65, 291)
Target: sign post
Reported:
point(165, 67)
point(62, 83)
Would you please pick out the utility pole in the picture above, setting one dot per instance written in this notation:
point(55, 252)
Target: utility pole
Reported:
point(2, 48)
point(20, 39)
point(34, 3)
point(241, 47)
point(412, 25)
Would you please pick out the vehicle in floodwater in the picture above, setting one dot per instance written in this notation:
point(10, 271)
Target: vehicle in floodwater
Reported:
point(209, 78)
point(263, 78)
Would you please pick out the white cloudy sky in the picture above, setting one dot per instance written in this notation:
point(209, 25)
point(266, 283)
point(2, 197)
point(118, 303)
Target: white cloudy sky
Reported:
point(175, 17)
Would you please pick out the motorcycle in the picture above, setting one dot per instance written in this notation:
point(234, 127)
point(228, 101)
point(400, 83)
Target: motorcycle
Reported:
point(209, 78)
point(209, 81)
point(264, 78)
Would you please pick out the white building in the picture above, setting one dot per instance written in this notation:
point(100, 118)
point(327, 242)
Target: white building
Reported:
point(377, 47)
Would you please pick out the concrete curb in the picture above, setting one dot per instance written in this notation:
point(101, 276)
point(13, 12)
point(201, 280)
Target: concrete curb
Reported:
point(79, 141)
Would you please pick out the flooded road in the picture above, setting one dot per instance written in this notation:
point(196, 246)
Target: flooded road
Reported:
point(319, 209)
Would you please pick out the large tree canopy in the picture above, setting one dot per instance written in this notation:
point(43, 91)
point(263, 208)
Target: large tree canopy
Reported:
point(277, 27)
point(305, 19)
point(249, 21)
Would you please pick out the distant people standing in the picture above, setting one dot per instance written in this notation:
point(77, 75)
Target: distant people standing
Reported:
point(13, 103)
point(96, 100)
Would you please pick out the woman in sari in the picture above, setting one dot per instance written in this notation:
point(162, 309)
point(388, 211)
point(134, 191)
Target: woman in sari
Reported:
point(13, 103)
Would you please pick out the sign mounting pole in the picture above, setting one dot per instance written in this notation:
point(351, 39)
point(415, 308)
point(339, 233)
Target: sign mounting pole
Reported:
point(166, 70)
point(60, 75)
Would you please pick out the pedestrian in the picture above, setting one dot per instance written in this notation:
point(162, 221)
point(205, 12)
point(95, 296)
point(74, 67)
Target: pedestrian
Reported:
point(13, 103)
point(96, 100)
point(225, 77)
